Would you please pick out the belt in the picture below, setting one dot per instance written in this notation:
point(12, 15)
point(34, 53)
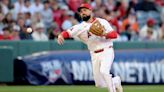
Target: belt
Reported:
point(101, 50)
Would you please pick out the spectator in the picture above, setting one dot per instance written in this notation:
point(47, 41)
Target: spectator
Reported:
point(149, 35)
point(120, 10)
point(148, 32)
point(96, 4)
point(53, 31)
point(21, 23)
point(1, 23)
point(15, 32)
point(130, 8)
point(146, 5)
point(20, 16)
point(74, 4)
point(129, 34)
point(8, 20)
point(131, 21)
point(63, 17)
point(47, 15)
point(112, 19)
point(39, 34)
point(53, 4)
point(72, 18)
point(159, 2)
point(24, 34)
point(161, 32)
point(27, 17)
point(6, 34)
point(57, 16)
point(37, 6)
point(1, 10)
point(27, 7)
point(70, 21)
point(109, 4)
point(18, 8)
point(126, 33)
point(162, 14)
point(37, 18)
point(100, 11)
point(4, 4)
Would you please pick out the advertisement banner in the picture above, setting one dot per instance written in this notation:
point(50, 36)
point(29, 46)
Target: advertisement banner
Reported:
point(74, 67)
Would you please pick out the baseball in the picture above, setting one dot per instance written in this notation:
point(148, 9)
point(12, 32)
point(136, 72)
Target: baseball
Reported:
point(29, 30)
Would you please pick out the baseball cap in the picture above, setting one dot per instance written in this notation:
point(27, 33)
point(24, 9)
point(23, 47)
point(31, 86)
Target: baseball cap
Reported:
point(150, 21)
point(85, 5)
point(39, 25)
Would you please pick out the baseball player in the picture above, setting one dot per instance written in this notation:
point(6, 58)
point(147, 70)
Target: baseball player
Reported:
point(97, 34)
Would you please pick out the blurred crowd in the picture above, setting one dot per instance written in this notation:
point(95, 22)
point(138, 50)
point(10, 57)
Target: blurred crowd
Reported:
point(43, 20)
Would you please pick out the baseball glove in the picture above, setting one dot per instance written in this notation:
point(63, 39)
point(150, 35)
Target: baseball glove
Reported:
point(97, 29)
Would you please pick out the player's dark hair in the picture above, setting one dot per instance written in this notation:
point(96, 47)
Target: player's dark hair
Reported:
point(160, 24)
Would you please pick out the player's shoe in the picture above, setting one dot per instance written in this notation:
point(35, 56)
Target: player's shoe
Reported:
point(117, 83)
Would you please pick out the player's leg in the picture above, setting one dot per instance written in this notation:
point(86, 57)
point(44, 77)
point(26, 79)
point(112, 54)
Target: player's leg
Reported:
point(98, 77)
point(107, 77)
point(106, 62)
point(99, 81)
point(117, 83)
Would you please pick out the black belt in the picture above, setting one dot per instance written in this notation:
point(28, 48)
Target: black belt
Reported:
point(101, 50)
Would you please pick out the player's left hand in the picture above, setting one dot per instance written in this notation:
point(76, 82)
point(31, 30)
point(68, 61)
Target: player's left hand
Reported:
point(97, 29)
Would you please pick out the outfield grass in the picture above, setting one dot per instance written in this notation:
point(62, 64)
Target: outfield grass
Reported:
point(141, 88)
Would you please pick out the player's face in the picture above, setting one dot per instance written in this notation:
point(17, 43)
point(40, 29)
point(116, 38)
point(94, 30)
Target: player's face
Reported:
point(85, 14)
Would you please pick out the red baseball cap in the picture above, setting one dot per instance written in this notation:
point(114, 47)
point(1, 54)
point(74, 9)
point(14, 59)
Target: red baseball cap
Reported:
point(84, 5)
point(150, 21)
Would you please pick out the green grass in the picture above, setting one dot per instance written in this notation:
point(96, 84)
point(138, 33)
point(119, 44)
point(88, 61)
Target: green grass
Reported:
point(141, 88)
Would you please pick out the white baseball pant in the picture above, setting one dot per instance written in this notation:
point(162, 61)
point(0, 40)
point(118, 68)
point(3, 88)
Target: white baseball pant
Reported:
point(101, 64)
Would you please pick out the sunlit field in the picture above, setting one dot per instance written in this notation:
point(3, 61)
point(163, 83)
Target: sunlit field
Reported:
point(72, 88)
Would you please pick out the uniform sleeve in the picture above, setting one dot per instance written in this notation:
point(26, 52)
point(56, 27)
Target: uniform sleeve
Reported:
point(107, 26)
point(110, 33)
point(73, 31)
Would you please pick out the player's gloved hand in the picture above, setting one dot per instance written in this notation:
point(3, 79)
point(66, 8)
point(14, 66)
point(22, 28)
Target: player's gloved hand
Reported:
point(97, 29)
point(60, 39)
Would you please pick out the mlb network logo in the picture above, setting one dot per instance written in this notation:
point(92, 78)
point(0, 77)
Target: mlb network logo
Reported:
point(52, 69)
